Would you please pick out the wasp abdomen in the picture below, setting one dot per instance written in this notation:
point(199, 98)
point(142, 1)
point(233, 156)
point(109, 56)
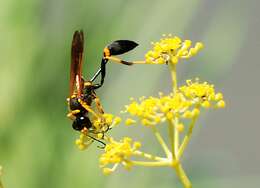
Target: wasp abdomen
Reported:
point(81, 122)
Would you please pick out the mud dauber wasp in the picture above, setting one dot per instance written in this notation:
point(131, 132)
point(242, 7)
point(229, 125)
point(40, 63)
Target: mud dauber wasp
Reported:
point(82, 93)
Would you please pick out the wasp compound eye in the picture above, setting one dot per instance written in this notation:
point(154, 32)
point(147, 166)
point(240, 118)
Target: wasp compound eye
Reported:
point(121, 46)
point(80, 122)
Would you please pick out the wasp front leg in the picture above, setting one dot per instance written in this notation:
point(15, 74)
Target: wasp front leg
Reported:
point(89, 109)
point(72, 114)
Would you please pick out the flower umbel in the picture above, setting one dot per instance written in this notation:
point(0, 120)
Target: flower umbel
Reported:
point(170, 49)
point(179, 110)
point(118, 152)
point(156, 110)
point(202, 94)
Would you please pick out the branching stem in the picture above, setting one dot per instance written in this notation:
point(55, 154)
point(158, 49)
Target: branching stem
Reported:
point(151, 164)
point(187, 137)
point(149, 156)
point(161, 141)
point(182, 176)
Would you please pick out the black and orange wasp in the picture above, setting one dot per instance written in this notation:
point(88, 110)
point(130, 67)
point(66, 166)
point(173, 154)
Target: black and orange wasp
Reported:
point(81, 92)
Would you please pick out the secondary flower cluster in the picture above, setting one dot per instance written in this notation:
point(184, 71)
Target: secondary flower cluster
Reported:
point(202, 94)
point(118, 152)
point(170, 49)
point(183, 104)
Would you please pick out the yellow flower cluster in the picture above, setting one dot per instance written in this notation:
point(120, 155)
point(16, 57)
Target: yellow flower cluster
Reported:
point(100, 126)
point(170, 49)
point(106, 121)
point(118, 152)
point(83, 141)
point(202, 94)
point(184, 103)
point(152, 111)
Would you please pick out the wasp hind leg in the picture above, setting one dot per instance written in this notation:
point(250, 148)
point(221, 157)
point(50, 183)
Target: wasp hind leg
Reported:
point(99, 106)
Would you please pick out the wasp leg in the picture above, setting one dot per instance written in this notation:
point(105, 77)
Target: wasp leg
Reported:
point(71, 114)
point(89, 109)
point(103, 70)
point(118, 60)
point(99, 106)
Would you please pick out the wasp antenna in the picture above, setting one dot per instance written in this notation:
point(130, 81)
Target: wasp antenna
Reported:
point(103, 144)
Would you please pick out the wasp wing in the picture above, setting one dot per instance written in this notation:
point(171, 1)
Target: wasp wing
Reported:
point(76, 63)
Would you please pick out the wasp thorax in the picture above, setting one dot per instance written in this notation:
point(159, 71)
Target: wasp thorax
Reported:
point(75, 104)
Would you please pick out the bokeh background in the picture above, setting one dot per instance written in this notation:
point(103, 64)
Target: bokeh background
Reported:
point(36, 139)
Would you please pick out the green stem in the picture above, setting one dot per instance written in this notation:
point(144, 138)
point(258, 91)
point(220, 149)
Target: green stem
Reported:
point(175, 88)
point(148, 156)
point(174, 77)
point(161, 141)
point(187, 137)
point(151, 164)
point(171, 137)
point(182, 176)
point(176, 138)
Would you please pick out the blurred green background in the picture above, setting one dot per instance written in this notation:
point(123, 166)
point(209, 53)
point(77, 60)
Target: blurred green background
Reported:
point(36, 139)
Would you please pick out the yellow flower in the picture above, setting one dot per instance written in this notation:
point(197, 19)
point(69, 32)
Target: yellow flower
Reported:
point(170, 49)
point(152, 110)
point(202, 94)
point(129, 121)
point(83, 142)
point(118, 152)
point(104, 122)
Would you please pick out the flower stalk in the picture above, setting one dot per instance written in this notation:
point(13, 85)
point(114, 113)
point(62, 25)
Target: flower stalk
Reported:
point(182, 176)
point(187, 137)
point(178, 167)
point(161, 141)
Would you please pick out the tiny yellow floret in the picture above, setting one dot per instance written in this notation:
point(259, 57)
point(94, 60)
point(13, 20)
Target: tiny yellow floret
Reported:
point(107, 171)
point(129, 121)
point(117, 120)
point(82, 147)
point(221, 104)
point(218, 96)
point(180, 127)
point(205, 104)
point(195, 112)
